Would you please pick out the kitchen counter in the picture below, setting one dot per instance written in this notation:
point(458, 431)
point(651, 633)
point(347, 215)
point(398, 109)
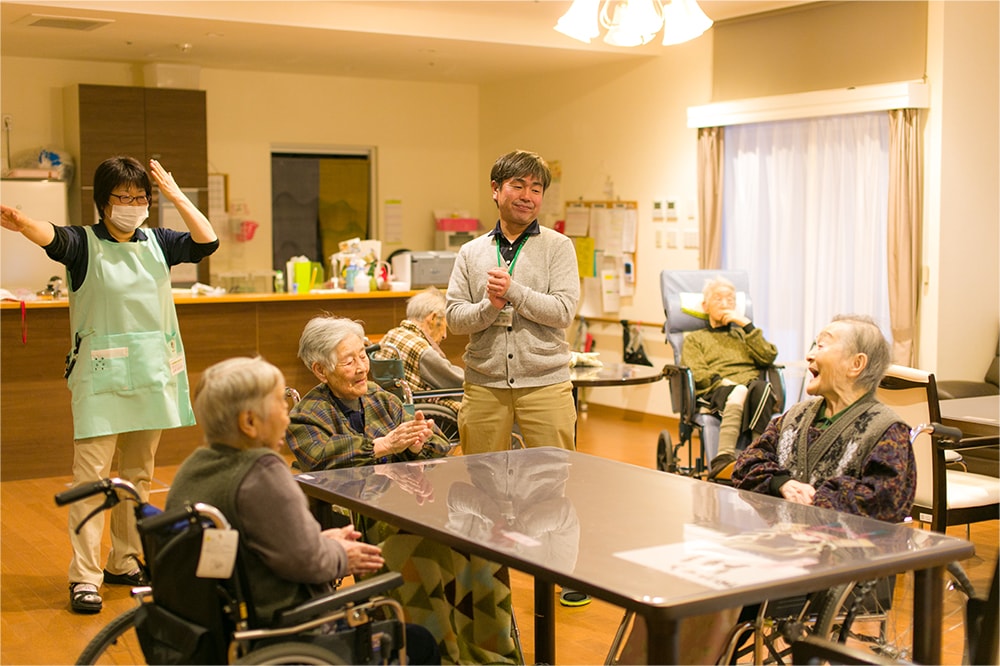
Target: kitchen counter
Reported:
point(36, 428)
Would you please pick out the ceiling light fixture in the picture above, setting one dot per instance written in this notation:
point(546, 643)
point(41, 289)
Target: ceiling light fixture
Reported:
point(634, 22)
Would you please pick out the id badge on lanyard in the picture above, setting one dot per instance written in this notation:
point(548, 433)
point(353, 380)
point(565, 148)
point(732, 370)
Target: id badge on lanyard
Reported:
point(506, 316)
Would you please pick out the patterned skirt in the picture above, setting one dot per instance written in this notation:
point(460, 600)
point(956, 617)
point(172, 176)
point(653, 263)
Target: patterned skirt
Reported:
point(463, 600)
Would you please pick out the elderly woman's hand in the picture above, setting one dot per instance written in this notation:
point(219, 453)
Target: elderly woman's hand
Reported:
point(408, 435)
point(798, 492)
point(362, 557)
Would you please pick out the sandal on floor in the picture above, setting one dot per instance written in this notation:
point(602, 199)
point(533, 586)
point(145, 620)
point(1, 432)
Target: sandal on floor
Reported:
point(84, 598)
point(573, 599)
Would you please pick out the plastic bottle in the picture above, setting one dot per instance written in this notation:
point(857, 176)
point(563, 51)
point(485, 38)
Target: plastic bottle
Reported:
point(279, 282)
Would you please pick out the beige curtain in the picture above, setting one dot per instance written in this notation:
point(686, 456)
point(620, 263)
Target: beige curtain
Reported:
point(710, 155)
point(904, 231)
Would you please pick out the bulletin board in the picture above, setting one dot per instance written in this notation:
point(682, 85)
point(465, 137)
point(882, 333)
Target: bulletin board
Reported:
point(604, 234)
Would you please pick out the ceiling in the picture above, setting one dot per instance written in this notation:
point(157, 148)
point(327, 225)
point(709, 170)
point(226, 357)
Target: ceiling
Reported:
point(454, 41)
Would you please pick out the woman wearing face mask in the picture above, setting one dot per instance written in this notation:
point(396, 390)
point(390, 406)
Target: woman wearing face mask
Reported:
point(126, 367)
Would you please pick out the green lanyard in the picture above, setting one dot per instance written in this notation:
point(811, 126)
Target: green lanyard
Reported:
point(517, 253)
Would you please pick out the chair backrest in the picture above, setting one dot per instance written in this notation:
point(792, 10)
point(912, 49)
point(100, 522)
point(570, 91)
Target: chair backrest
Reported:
point(682, 298)
point(912, 394)
point(385, 367)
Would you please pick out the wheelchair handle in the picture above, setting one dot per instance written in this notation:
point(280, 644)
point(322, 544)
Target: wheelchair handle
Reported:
point(185, 513)
point(942, 431)
point(106, 486)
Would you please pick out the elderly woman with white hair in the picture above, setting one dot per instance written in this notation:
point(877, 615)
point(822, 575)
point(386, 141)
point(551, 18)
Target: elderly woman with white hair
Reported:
point(347, 421)
point(843, 449)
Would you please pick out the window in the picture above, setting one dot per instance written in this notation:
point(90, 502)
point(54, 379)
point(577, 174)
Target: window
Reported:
point(805, 213)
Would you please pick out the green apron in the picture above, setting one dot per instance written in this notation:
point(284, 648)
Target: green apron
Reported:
point(126, 368)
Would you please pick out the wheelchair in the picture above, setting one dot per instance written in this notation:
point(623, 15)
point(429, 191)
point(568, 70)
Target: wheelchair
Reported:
point(682, 298)
point(193, 613)
point(386, 370)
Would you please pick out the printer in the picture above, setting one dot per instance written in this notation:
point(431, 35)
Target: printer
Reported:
point(423, 269)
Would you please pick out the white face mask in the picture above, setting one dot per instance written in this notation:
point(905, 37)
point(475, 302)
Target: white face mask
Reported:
point(128, 218)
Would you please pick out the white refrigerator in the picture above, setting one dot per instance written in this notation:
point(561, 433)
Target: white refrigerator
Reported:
point(23, 265)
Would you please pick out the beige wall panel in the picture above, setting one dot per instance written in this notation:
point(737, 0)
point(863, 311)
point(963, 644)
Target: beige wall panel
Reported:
point(824, 46)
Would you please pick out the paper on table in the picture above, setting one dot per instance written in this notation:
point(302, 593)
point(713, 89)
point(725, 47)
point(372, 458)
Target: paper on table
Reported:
point(715, 565)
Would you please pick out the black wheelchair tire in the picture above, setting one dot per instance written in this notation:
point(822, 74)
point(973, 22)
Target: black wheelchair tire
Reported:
point(665, 452)
point(291, 652)
point(108, 636)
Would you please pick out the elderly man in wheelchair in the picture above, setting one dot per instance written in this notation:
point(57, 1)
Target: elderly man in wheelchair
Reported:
point(285, 557)
point(726, 360)
point(417, 341)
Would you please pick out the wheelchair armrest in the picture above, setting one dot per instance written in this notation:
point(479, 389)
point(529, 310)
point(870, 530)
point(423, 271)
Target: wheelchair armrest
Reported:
point(682, 396)
point(328, 603)
point(986, 442)
point(438, 393)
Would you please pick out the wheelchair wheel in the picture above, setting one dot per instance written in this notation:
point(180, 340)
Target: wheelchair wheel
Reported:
point(665, 460)
point(115, 643)
point(864, 618)
point(291, 653)
point(445, 418)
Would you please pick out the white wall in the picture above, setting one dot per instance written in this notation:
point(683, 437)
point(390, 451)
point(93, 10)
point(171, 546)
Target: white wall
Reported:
point(960, 313)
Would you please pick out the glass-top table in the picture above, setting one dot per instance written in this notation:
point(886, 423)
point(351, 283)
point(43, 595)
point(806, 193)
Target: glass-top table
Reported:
point(664, 546)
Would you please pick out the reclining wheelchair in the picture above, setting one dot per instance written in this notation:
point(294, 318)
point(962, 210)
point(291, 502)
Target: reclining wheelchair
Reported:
point(193, 613)
point(682, 305)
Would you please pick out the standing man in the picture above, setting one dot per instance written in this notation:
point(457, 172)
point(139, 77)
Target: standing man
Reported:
point(514, 291)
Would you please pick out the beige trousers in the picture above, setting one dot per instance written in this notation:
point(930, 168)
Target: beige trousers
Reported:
point(92, 459)
point(546, 415)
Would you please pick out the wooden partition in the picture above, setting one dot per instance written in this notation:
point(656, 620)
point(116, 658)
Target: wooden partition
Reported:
point(36, 426)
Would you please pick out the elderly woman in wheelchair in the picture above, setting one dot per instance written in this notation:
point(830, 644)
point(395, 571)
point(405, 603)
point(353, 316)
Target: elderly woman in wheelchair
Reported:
point(841, 449)
point(347, 421)
point(286, 558)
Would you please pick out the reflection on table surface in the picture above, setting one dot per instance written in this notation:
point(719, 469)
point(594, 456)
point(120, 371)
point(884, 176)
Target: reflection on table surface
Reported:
point(614, 374)
point(665, 546)
point(630, 535)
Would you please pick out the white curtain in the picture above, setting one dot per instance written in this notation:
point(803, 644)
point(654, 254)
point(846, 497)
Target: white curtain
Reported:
point(804, 212)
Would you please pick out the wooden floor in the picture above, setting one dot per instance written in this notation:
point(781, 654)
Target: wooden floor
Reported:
point(37, 627)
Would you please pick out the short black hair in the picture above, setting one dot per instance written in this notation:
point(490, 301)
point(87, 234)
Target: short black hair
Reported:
point(115, 171)
point(519, 163)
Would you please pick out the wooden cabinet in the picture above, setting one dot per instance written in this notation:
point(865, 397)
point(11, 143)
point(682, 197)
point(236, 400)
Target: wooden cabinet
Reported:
point(165, 124)
point(146, 123)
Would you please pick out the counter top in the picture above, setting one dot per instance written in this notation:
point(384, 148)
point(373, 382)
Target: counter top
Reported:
point(186, 299)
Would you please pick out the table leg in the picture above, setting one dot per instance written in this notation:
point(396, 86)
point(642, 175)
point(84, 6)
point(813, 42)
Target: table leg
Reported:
point(545, 622)
point(662, 642)
point(928, 601)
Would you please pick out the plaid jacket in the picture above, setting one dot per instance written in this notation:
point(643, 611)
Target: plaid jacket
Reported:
point(321, 437)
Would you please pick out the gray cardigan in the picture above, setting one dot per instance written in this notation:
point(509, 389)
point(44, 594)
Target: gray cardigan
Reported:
point(544, 292)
